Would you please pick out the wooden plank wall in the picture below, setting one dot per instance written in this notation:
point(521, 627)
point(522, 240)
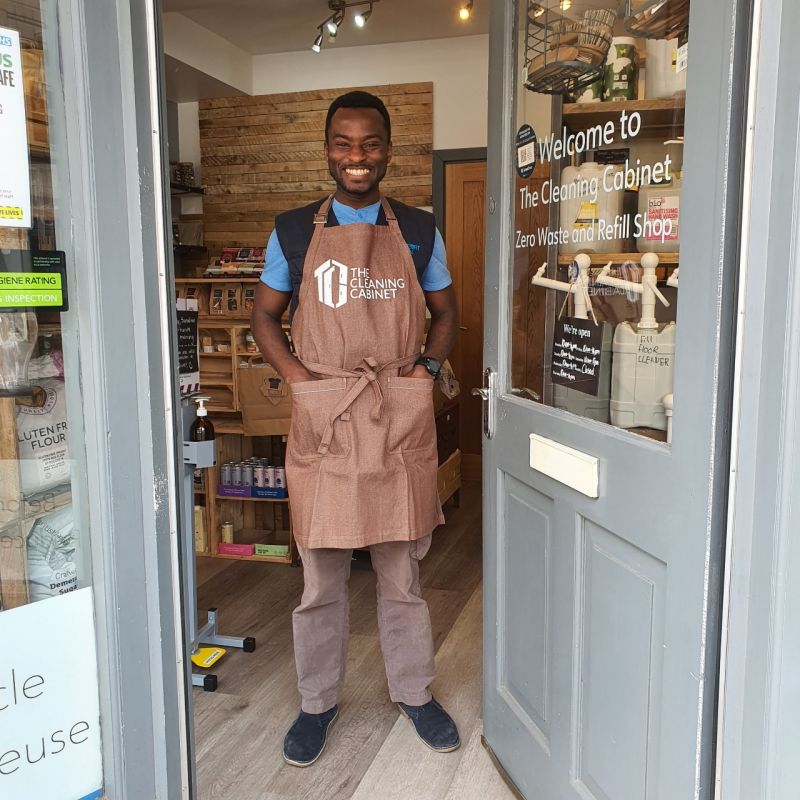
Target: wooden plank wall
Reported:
point(263, 154)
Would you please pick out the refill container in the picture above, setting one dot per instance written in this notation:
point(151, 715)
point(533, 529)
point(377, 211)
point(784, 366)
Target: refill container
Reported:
point(644, 356)
point(202, 430)
point(589, 218)
point(660, 217)
point(621, 72)
point(661, 79)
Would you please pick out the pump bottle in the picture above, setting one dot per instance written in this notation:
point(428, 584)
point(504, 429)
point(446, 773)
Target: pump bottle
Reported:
point(202, 430)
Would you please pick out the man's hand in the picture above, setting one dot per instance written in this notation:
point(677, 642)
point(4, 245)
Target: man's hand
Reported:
point(419, 372)
point(297, 374)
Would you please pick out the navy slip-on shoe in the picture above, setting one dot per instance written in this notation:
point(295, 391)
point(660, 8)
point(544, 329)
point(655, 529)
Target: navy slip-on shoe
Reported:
point(433, 725)
point(307, 737)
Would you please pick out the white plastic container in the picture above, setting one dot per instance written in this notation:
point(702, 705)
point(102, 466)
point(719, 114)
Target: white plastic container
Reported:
point(591, 218)
point(661, 78)
point(642, 375)
point(659, 218)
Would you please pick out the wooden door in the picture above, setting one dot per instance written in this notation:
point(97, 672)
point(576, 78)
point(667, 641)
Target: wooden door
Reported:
point(465, 189)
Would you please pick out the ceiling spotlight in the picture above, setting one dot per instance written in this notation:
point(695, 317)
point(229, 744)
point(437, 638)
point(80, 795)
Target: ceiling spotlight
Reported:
point(465, 12)
point(333, 24)
point(538, 10)
point(565, 5)
point(361, 17)
point(317, 46)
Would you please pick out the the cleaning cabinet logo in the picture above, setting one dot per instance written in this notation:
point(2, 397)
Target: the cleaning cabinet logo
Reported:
point(332, 283)
point(337, 283)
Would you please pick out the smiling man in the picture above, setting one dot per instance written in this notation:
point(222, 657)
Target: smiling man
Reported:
point(357, 271)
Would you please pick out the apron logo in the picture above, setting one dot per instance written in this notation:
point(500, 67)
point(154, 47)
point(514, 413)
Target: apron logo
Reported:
point(332, 283)
point(336, 283)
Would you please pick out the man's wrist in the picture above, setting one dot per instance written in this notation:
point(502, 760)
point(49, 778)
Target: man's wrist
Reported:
point(432, 365)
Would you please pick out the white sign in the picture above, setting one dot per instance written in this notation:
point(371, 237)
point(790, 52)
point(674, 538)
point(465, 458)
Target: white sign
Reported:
point(15, 183)
point(49, 709)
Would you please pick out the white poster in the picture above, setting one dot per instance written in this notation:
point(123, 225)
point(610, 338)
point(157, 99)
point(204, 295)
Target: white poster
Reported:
point(49, 709)
point(15, 182)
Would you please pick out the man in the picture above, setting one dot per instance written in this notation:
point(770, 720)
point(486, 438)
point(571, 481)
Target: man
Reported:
point(357, 271)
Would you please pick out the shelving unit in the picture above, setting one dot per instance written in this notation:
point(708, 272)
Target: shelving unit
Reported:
point(657, 116)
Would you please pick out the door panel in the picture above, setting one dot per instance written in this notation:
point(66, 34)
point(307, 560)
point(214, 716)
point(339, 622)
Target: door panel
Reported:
point(601, 614)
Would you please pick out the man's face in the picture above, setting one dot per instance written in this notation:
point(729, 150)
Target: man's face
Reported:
point(358, 150)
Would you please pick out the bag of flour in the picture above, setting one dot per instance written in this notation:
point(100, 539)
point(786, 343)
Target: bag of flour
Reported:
point(42, 435)
point(53, 555)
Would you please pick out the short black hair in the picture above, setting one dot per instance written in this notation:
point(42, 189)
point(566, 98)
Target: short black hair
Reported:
point(359, 100)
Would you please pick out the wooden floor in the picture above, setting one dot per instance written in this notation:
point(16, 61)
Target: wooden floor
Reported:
point(373, 753)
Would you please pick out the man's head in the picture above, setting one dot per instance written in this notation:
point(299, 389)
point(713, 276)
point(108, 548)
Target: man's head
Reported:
point(358, 145)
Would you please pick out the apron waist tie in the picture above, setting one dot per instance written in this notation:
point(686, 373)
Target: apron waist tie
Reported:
point(367, 375)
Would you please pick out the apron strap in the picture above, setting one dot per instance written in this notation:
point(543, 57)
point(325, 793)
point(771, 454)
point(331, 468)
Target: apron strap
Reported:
point(321, 217)
point(367, 375)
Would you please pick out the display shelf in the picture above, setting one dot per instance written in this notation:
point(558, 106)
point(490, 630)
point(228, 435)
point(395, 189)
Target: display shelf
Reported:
point(287, 559)
point(177, 189)
point(601, 259)
point(215, 355)
point(217, 384)
point(658, 116)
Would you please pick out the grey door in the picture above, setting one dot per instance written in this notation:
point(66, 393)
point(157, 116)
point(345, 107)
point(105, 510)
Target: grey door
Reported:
point(603, 542)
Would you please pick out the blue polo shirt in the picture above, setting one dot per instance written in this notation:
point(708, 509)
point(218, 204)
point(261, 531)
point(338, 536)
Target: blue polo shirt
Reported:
point(276, 268)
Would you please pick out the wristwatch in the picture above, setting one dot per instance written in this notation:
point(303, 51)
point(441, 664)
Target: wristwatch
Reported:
point(433, 366)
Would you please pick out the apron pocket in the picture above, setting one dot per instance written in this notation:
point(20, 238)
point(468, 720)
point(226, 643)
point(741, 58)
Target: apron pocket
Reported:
point(313, 404)
point(411, 422)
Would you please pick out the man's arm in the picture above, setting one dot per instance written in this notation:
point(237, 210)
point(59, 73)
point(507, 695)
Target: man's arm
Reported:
point(268, 311)
point(443, 330)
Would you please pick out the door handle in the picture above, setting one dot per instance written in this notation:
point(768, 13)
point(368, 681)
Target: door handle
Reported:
point(488, 394)
point(463, 328)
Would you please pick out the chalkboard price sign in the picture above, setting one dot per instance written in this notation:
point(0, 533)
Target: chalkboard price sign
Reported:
point(577, 355)
point(188, 364)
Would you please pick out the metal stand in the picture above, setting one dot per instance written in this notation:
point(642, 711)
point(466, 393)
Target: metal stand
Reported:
point(200, 455)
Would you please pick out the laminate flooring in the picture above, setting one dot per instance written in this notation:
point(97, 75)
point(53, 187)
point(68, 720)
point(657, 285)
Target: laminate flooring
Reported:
point(373, 753)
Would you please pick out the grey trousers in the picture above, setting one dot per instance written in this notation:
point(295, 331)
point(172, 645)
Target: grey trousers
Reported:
point(321, 624)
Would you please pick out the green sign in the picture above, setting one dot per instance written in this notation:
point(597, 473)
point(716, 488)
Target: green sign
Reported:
point(33, 279)
point(30, 290)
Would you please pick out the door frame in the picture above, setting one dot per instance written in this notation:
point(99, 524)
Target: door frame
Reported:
point(759, 701)
point(123, 313)
point(441, 158)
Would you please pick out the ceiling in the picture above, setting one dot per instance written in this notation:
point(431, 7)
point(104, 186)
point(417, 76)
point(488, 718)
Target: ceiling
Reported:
point(283, 26)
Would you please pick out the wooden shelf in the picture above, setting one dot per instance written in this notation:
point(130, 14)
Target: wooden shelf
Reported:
point(287, 559)
point(215, 354)
point(658, 116)
point(215, 384)
point(220, 279)
point(601, 259)
point(254, 499)
point(177, 189)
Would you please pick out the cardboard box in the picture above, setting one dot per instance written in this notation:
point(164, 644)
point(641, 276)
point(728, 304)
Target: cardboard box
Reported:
point(265, 401)
point(236, 549)
point(233, 300)
point(277, 550)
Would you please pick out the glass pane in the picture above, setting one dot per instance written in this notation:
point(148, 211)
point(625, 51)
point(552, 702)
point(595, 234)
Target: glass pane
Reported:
point(600, 103)
point(49, 731)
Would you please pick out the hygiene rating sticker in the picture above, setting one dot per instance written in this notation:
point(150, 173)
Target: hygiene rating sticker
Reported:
point(38, 281)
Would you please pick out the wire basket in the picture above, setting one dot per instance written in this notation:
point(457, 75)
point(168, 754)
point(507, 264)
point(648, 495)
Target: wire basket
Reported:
point(657, 19)
point(562, 54)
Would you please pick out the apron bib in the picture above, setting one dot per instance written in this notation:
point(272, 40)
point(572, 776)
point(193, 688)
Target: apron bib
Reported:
point(361, 458)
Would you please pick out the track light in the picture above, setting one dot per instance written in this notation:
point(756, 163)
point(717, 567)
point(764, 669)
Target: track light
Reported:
point(361, 18)
point(331, 24)
point(565, 5)
point(465, 12)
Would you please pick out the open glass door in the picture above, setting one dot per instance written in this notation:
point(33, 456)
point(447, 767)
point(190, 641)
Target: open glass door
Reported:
point(614, 195)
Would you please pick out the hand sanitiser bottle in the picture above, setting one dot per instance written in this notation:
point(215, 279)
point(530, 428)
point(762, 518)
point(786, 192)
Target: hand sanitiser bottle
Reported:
point(202, 430)
point(644, 356)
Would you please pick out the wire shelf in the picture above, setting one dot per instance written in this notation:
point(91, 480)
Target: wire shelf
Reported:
point(657, 19)
point(563, 54)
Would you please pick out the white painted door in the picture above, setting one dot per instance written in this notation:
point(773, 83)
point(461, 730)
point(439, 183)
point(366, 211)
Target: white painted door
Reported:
point(603, 542)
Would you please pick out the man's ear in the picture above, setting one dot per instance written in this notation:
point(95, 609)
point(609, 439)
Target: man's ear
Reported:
point(389, 153)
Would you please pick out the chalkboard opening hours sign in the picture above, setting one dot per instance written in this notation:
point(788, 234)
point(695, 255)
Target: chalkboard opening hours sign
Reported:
point(577, 355)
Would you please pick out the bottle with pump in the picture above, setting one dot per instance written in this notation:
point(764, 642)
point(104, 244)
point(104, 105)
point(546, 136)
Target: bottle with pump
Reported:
point(571, 400)
point(202, 430)
point(644, 355)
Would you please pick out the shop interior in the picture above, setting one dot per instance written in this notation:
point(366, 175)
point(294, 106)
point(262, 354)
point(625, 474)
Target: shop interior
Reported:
point(246, 98)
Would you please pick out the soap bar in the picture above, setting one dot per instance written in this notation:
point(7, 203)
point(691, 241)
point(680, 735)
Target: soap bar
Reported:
point(235, 549)
point(272, 549)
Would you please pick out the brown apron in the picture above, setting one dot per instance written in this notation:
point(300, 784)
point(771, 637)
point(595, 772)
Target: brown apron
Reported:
point(361, 458)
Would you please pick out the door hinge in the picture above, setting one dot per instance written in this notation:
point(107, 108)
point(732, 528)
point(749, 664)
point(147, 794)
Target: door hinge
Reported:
point(488, 393)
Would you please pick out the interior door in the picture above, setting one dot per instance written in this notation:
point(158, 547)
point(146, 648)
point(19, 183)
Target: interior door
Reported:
point(603, 541)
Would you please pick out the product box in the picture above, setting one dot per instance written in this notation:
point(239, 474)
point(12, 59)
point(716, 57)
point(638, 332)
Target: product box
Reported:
point(269, 494)
point(200, 537)
point(234, 491)
point(216, 307)
point(236, 549)
point(249, 298)
point(233, 299)
point(198, 292)
point(272, 550)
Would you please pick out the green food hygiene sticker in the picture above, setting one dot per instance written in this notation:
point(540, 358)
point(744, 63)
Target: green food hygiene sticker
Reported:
point(34, 279)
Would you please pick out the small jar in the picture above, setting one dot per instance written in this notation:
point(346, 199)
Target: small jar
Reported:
point(250, 343)
point(226, 532)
